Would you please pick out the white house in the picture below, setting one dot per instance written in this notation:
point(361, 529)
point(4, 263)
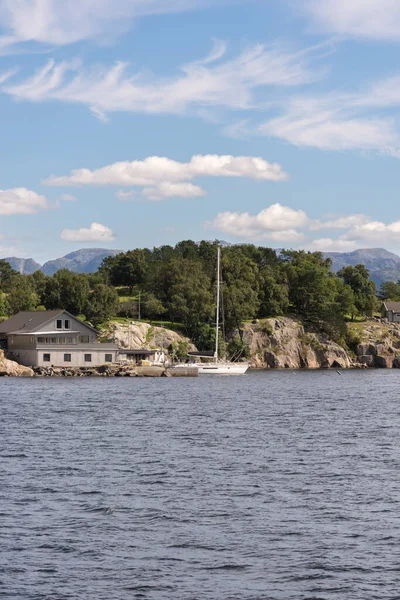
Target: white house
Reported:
point(54, 338)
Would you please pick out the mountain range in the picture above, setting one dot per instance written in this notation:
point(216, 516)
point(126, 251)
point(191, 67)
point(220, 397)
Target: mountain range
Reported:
point(382, 265)
point(86, 260)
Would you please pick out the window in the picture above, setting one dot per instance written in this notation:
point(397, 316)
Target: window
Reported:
point(59, 324)
point(84, 339)
point(67, 324)
point(41, 340)
point(69, 340)
point(62, 340)
point(46, 357)
point(88, 358)
point(67, 358)
point(108, 357)
point(54, 340)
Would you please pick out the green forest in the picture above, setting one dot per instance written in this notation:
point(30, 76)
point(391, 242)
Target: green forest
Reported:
point(177, 286)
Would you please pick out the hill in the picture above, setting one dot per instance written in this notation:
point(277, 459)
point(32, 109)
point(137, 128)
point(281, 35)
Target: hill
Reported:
point(86, 260)
point(25, 266)
point(382, 264)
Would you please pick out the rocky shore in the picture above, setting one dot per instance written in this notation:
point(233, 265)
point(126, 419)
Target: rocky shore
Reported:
point(10, 368)
point(283, 343)
point(286, 343)
point(114, 371)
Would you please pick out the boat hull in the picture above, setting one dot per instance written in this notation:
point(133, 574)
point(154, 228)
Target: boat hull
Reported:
point(222, 369)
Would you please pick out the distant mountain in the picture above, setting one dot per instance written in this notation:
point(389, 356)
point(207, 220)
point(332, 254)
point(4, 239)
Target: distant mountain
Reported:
point(382, 265)
point(87, 260)
point(25, 266)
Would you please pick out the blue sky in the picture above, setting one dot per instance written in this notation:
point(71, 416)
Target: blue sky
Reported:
point(245, 120)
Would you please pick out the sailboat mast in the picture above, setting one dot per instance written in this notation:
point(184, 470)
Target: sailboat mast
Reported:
point(218, 294)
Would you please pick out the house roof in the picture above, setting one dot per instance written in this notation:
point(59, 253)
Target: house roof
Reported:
point(29, 321)
point(393, 306)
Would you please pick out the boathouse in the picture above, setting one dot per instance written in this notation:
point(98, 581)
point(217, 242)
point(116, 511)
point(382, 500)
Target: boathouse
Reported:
point(54, 338)
point(391, 310)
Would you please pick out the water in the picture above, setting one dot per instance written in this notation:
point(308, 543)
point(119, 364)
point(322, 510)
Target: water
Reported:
point(273, 485)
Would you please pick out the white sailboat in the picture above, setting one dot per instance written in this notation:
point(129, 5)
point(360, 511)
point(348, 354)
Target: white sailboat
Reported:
point(220, 367)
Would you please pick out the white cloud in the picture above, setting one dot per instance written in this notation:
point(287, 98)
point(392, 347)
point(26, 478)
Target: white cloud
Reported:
point(61, 22)
point(350, 221)
point(95, 233)
point(212, 82)
point(20, 201)
point(369, 19)
point(160, 177)
point(158, 170)
point(331, 245)
point(125, 195)
point(282, 225)
point(173, 190)
point(68, 198)
point(277, 223)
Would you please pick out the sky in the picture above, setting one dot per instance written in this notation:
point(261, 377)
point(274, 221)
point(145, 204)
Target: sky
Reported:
point(140, 123)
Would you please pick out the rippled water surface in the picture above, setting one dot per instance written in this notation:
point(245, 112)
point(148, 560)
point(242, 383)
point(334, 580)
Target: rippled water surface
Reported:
point(273, 485)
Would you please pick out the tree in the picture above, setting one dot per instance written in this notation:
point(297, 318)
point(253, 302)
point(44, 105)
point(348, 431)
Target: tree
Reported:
point(67, 290)
point(390, 291)
point(345, 299)
point(7, 275)
point(364, 289)
point(22, 296)
point(102, 304)
point(312, 285)
point(187, 293)
point(153, 307)
point(39, 281)
point(127, 268)
point(240, 275)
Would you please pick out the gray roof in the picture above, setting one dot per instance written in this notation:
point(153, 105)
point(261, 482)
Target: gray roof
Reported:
point(25, 322)
point(393, 306)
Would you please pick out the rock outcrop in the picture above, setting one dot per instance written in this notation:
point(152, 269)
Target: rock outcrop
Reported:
point(376, 344)
point(137, 335)
point(282, 342)
point(9, 368)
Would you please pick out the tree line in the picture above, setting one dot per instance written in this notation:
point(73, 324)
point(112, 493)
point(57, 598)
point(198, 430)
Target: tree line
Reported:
point(178, 284)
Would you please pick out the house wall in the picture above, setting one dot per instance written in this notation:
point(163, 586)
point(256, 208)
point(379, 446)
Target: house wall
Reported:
point(35, 358)
point(393, 317)
point(75, 325)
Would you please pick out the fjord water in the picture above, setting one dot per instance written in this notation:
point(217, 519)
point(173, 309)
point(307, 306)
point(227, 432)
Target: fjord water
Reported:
point(273, 485)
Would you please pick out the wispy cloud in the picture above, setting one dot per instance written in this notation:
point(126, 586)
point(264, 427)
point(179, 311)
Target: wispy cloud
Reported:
point(62, 22)
point(215, 81)
point(339, 121)
point(95, 233)
point(161, 177)
point(368, 19)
